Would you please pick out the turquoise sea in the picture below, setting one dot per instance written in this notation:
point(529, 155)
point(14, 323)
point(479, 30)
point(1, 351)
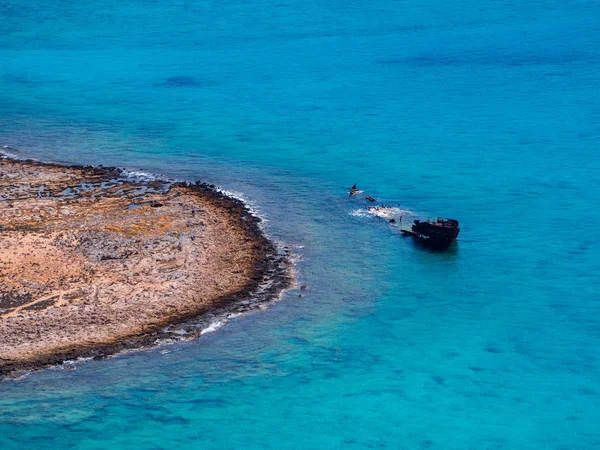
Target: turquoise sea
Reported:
point(487, 112)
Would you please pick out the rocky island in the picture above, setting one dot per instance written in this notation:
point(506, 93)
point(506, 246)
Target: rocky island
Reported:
point(93, 261)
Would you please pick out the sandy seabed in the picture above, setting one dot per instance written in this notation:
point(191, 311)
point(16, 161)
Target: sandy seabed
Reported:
point(93, 262)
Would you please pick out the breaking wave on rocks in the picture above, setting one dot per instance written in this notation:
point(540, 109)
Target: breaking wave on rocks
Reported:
point(383, 212)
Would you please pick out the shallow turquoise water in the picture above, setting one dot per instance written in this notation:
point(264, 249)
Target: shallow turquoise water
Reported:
point(486, 113)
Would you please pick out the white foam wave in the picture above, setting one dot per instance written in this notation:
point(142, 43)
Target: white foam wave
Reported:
point(252, 206)
point(214, 326)
point(234, 315)
point(383, 212)
point(359, 213)
point(388, 212)
point(6, 153)
point(71, 364)
point(138, 175)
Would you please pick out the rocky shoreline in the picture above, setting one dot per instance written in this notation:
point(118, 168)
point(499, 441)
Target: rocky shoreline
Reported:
point(94, 262)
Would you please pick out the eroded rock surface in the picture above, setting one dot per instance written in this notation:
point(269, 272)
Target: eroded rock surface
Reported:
point(92, 262)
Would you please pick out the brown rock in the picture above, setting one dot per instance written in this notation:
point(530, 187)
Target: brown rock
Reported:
point(84, 274)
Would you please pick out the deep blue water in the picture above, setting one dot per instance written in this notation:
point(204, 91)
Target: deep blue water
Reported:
point(489, 113)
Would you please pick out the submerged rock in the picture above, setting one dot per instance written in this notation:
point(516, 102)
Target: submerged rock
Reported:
point(183, 81)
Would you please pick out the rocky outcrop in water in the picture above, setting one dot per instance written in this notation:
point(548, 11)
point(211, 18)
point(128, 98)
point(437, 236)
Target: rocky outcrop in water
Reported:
point(93, 261)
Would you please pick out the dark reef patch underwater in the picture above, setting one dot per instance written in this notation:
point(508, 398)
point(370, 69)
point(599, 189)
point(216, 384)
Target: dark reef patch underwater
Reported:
point(183, 81)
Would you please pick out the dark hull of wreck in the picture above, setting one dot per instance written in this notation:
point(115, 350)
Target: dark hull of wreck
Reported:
point(433, 242)
point(436, 236)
